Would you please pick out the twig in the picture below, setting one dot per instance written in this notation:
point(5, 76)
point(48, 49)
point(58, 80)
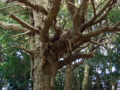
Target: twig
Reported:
point(20, 34)
point(28, 51)
point(8, 7)
point(94, 42)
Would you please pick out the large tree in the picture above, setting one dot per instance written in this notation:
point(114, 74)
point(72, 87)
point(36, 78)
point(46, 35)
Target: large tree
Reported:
point(49, 40)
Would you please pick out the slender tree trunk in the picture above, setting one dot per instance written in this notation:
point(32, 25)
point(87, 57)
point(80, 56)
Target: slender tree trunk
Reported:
point(86, 77)
point(68, 78)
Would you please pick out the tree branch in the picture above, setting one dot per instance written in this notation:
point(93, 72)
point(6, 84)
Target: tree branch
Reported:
point(94, 9)
point(97, 32)
point(83, 47)
point(94, 42)
point(50, 18)
point(14, 27)
point(108, 37)
point(39, 8)
point(83, 9)
point(90, 22)
point(24, 24)
point(100, 19)
point(56, 34)
point(71, 7)
point(74, 57)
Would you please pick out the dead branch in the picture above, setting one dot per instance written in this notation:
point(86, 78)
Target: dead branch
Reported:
point(24, 24)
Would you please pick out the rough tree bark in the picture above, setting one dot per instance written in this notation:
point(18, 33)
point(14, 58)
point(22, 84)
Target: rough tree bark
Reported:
point(47, 50)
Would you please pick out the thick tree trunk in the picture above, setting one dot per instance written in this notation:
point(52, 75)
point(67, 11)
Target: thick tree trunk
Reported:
point(44, 63)
point(86, 77)
point(44, 72)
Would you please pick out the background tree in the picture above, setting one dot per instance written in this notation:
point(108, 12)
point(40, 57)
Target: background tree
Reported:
point(49, 41)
